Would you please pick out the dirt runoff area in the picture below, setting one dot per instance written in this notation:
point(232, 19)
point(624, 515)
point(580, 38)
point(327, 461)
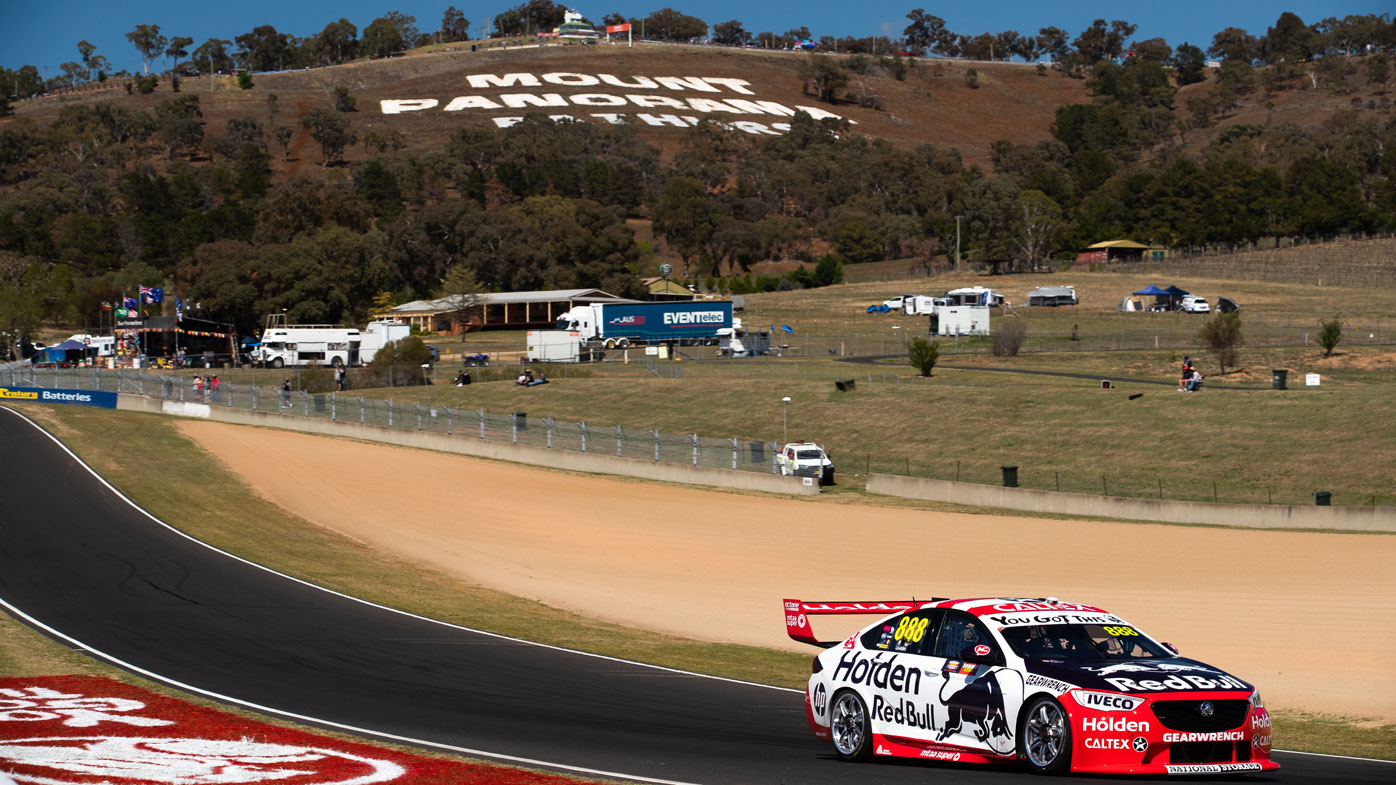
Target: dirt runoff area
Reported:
point(1309, 618)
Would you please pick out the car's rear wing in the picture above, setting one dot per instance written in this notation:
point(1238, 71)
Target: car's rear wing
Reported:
point(797, 613)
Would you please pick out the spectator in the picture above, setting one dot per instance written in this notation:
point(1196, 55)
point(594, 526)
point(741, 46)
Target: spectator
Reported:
point(213, 384)
point(286, 393)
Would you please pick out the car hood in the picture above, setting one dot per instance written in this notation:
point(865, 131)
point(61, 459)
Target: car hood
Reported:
point(1140, 677)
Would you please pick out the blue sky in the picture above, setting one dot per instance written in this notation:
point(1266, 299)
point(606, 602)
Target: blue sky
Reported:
point(45, 33)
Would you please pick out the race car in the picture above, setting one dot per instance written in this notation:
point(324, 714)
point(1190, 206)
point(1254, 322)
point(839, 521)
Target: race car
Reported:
point(1057, 686)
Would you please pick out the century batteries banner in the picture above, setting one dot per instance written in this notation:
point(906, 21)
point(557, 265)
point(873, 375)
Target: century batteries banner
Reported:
point(660, 101)
point(104, 400)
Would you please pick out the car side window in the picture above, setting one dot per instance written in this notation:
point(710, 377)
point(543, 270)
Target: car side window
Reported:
point(960, 631)
point(909, 633)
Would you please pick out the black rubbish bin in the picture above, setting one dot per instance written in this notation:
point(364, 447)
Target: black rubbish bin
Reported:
point(1323, 498)
point(1010, 476)
point(758, 452)
point(1278, 377)
point(521, 420)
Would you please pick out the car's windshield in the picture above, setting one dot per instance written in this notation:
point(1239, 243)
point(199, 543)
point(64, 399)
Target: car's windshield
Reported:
point(1081, 642)
point(808, 455)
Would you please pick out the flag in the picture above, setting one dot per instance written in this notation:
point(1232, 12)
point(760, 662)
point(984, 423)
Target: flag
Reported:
point(129, 302)
point(157, 295)
point(179, 310)
point(106, 306)
point(145, 295)
point(122, 313)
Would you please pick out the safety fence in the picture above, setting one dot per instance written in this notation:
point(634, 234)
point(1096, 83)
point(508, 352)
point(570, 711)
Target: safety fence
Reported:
point(517, 427)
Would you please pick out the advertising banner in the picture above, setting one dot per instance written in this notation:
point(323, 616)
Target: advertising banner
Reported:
point(86, 729)
point(103, 400)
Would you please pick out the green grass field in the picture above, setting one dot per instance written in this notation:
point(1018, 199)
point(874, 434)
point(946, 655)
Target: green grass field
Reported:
point(200, 497)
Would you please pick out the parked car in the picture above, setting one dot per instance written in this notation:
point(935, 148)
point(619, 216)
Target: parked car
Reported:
point(899, 302)
point(1055, 686)
point(1194, 304)
point(805, 459)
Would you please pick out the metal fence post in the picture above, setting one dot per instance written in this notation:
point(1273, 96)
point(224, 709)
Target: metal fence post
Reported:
point(734, 452)
point(620, 441)
point(583, 426)
point(361, 410)
point(481, 412)
point(178, 383)
point(514, 422)
point(419, 415)
point(775, 450)
point(656, 444)
point(305, 403)
point(390, 410)
point(333, 408)
point(448, 421)
point(695, 449)
point(548, 424)
point(253, 388)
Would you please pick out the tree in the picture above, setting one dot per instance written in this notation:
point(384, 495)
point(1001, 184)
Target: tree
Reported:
point(1153, 50)
point(924, 355)
point(1233, 43)
point(388, 35)
point(73, 73)
point(1190, 64)
point(454, 26)
point(825, 74)
point(213, 56)
point(1378, 71)
point(1221, 334)
point(924, 31)
point(687, 217)
point(1099, 42)
point(148, 42)
point(338, 42)
point(178, 48)
point(87, 50)
point(671, 25)
point(1053, 42)
point(264, 49)
point(343, 101)
point(858, 242)
point(1036, 225)
point(331, 130)
point(1329, 334)
point(283, 136)
point(462, 291)
point(1289, 41)
point(730, 33)
point(613, 18)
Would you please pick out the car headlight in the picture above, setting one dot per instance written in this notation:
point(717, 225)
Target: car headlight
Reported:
point(1255, 700)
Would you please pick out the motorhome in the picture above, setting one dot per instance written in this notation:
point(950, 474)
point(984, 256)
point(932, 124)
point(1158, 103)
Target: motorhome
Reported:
point(285, 344)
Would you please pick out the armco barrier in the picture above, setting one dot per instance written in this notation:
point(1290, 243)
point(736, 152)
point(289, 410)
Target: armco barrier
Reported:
point(1259, 516)
point(595, 463)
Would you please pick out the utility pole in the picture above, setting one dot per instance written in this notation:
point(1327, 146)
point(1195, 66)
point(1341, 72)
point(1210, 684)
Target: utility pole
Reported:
point(957, 242)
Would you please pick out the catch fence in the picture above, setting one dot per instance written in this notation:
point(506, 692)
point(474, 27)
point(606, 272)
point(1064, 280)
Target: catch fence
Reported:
point(517, 427)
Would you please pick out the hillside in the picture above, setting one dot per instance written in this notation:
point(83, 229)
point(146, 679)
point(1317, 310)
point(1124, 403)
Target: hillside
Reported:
point(934, 105)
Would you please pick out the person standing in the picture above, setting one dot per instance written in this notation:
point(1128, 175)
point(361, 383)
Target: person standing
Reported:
point(286, 393)
point(213, 384)
point(198, 387)
point(339, 374)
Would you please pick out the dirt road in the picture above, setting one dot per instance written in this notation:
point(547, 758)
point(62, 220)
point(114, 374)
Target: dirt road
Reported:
point(1308, 617)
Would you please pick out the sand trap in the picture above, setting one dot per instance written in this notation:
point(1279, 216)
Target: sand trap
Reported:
point(1308, 618)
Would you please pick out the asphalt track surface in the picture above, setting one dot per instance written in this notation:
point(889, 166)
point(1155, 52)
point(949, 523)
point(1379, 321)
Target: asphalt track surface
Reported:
point(80, 562)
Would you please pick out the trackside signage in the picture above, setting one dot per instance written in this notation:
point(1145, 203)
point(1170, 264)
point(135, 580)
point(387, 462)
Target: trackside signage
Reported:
point(105, 400)
point(89, 730)
point(655, 101)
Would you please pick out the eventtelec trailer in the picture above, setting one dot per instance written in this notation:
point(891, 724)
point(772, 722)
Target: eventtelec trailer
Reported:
point(622, 325)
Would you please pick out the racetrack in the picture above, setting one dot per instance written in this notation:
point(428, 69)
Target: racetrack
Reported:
point(1279, 609)
point(86, 564)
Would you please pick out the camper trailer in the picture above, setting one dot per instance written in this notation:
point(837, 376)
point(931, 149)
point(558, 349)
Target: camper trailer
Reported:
point(974, 295)
point(1052, 296)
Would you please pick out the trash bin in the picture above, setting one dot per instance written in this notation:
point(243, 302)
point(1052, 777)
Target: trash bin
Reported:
point(521, 420)
point(758, 452)
point(1322, 498)
point(1010, 476)
point(1278, 377)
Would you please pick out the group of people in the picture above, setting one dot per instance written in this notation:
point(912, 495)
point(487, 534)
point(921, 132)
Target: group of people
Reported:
point(1191, 379)
point(206, 387)
point(527, 379)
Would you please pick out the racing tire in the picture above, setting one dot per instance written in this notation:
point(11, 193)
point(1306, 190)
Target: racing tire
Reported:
point(277, 362)
point(849, 727)
point(1044, 737)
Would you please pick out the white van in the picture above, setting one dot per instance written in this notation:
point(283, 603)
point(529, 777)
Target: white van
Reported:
point(1194, 304)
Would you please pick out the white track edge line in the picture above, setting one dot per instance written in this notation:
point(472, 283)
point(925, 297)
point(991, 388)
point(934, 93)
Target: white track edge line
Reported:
point(1330, 755)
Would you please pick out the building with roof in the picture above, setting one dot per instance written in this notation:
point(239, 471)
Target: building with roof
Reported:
point(665, 289)
point(495, 310)
point(1121, 251)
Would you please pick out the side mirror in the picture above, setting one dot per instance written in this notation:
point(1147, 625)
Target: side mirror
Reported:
point(980, 655)
point(1171, 647)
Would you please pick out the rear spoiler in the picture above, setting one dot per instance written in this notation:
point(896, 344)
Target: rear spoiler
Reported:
point(797, 613)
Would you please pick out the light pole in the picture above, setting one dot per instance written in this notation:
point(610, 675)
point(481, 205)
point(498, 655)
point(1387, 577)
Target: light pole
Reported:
point(784, 419)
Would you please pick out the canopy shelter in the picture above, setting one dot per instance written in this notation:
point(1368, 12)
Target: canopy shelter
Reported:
point(1150, 291)
point(1170, 299)
point(69, 352)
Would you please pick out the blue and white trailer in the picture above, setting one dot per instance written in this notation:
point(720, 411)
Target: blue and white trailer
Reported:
point(622, 325)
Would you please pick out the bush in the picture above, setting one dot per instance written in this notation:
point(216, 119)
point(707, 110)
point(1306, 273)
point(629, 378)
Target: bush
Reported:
point(972, 78)
point(1222, 336)
point(1008, 339)
point(924, 355)
point(343, 101)
point(147, 85)
point(244, 80)
point(398, 364)
point(1329, 334)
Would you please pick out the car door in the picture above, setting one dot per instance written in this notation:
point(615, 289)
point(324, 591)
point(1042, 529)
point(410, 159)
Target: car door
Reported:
point(979, 698)
point(899, 681)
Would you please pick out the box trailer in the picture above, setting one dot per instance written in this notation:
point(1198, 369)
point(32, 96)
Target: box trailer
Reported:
point(961, 320)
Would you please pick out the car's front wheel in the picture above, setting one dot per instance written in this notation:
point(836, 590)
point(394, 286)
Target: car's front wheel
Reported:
point(849, 727)
point(1045, 738)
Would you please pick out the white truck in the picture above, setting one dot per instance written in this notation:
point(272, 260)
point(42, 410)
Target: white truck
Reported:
point(283, 344)
point(805, 459)
point(899, 302)
point(1194, 304)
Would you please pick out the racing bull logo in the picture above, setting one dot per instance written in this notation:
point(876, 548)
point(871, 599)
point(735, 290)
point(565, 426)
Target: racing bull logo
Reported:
point(980, 703)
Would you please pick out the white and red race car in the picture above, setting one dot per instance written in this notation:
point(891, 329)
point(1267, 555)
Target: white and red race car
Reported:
point(1058, 686)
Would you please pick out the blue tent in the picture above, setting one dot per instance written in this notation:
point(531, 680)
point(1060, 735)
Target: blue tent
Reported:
point(1152, 290)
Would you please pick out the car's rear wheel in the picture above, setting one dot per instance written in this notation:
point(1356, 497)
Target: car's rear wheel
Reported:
point(1044, 740)
point(849, 726)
